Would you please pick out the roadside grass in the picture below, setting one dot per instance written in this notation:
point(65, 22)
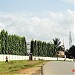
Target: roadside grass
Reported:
point(13, 67)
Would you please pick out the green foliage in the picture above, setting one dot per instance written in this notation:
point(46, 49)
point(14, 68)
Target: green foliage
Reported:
point(71, 52)
point(56, 43)
point(39, 48)
point(12, 44)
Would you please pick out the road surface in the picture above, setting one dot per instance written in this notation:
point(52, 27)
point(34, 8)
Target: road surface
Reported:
point(59, 68)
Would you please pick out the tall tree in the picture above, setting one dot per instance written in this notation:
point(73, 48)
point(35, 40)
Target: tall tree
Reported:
point(56, 43)
point(71, 51)
point(12, 44)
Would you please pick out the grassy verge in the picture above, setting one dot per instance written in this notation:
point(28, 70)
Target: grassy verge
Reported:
point(13, 67)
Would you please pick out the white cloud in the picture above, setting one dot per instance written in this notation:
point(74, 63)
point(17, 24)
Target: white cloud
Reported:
point(41, 27)
point(69, 1)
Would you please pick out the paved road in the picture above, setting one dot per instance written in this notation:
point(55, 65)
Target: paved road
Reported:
point(59, 68)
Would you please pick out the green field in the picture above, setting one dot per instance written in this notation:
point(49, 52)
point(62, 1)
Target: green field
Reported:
point(13, 67)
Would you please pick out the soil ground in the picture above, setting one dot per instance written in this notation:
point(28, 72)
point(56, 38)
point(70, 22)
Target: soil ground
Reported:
point(30, 71)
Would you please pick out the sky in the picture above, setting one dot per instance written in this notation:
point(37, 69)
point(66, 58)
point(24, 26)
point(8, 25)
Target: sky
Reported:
point(40, 19)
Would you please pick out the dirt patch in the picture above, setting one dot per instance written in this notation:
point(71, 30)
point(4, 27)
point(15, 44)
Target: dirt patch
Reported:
point(38, 72)
point(30, 71)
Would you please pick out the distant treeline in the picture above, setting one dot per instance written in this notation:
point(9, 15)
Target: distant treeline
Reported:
point(16, 45)
point(39, 48)
point(12, 44)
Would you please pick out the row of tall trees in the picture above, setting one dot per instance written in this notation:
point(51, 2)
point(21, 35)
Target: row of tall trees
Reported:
point(70, 53)
point(12, 44)
point(39, 48)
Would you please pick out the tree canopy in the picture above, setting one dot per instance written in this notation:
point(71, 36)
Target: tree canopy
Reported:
point(39, 48)
point(12, 44)
point(70, 53)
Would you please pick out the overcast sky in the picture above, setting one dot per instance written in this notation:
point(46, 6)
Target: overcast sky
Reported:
point(40, 19)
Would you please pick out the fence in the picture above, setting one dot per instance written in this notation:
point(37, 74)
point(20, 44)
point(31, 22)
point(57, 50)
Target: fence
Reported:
point(50, 58)
point(18, 57)
point(13, 57)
